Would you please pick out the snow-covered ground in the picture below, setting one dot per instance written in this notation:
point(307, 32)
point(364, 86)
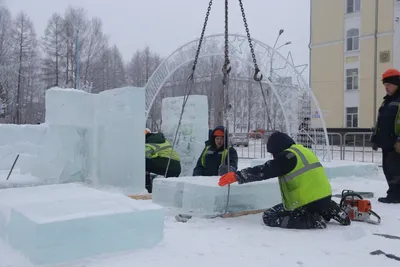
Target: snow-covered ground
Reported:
point(245, 241)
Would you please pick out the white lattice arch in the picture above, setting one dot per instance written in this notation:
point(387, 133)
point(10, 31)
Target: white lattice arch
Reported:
point(239, 50)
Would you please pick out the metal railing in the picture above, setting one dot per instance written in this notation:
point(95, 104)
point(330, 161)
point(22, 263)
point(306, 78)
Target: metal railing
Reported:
point(353, 146)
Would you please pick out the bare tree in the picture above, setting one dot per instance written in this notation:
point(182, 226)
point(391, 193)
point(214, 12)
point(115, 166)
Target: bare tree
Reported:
point(25, 44)
point(53, 49)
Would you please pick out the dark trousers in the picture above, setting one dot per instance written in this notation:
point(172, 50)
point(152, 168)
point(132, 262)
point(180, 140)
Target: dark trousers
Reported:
point(391, 169)
point(159, 166)
point(312, 216)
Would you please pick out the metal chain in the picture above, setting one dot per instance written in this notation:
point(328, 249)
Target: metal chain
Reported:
point(227, 65)
point(201, 38)
point(257, 76)
point(189, 84)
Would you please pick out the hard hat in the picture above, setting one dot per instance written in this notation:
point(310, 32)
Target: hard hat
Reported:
point(147, 131)
point(390, 73)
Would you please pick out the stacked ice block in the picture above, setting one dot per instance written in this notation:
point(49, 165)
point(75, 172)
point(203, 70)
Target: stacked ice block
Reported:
point(203, 196)
point(97, 138)
point(59, 223)
point(193, 131)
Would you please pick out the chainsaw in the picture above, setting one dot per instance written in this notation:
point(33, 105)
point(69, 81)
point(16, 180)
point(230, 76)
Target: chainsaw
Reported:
point(357, 208)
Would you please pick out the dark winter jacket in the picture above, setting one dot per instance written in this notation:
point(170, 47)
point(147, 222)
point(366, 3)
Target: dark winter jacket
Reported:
point(159, 165)
point(210, 132)
point(283, 162)
point(384, 135)
point(213, 157)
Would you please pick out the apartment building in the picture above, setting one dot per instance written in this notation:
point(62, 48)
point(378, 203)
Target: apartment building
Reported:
point(351, 43)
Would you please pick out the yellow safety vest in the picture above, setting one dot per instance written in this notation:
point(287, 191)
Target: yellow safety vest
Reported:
point(161, 150)
point(306, 183)
point(397, 120)
point(205, 152)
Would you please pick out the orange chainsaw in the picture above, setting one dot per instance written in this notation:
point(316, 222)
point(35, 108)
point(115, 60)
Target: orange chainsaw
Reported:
point(357, 208)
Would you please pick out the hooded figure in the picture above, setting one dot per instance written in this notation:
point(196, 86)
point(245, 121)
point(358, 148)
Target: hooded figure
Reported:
point(305, 188)
point(213, 161)
point(386, 135)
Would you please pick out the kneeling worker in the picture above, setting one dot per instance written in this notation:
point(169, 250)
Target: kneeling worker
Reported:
point(158, 151)
point(305, 188)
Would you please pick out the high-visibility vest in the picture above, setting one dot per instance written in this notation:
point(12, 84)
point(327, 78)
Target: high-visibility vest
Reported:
point(161, 150)
point(206, 152)
point(306, 183)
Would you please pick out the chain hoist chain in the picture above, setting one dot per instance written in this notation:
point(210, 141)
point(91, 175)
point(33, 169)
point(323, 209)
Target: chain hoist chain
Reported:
point(226, 68)
point(201, 38)
point(257, 76)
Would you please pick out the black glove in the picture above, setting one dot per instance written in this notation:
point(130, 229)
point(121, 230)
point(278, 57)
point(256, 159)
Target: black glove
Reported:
point(374, 147)
point(224, 169)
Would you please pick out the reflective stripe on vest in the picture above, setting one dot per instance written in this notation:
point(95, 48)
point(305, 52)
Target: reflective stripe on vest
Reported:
point(307, 166)
point(156, 150)
point(306, 183)
point(207, 152)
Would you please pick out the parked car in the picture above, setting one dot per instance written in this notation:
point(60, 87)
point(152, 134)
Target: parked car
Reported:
point(256, 134)
point(239, 139)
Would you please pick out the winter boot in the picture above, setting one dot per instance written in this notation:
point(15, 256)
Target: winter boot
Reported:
point(336, 213)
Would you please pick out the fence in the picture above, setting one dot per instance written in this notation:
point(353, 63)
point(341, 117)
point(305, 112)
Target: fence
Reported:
point(353, 146)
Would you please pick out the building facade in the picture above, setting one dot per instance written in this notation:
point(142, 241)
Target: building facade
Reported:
point(351, 43)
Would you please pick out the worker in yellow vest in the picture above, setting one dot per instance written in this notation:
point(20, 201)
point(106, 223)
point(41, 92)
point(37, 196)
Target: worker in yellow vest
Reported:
point(305, 188)
point(213, 161)
point(158, 152)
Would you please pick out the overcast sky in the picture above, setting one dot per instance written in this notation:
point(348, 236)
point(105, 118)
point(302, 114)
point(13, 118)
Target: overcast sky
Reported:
point(165, 25)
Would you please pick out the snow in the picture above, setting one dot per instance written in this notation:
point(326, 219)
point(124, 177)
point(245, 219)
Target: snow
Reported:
point(55, 223)
point(246, 241)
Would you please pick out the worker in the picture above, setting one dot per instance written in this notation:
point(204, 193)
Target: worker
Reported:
point(386, 135)
point(158, 153)
point(304, 185)
point(213, 161)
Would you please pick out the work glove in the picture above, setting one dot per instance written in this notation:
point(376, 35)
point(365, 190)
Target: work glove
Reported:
point(224, 169)
point(227, 179)
point(397, 147)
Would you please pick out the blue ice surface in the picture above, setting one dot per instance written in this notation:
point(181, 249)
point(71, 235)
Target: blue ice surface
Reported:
point(203, 196)
point(60, 223)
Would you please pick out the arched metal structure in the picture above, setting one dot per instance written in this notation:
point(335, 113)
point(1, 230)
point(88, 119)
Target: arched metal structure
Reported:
point(290, 99)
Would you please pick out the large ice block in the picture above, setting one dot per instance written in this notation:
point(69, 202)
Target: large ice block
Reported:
point(70, 107)
point(59, 223)
point(203, 196)
point(16, 134)
point(64, 156)
point(118, 156)
point(193, 131)
point(341, 168)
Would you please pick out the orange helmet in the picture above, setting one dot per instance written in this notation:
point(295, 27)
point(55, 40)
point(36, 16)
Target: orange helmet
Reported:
point(390, 73)
point(147, 131)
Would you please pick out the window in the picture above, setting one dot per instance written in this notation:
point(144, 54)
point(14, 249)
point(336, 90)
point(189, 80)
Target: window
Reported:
point(352, 38)
point(351, 79)
point(353, 6)
point(352, 117)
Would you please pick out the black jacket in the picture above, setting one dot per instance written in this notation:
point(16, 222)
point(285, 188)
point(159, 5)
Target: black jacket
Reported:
point(214, 157)
point(159, 165)
point(384, 135)
point(283, 162)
